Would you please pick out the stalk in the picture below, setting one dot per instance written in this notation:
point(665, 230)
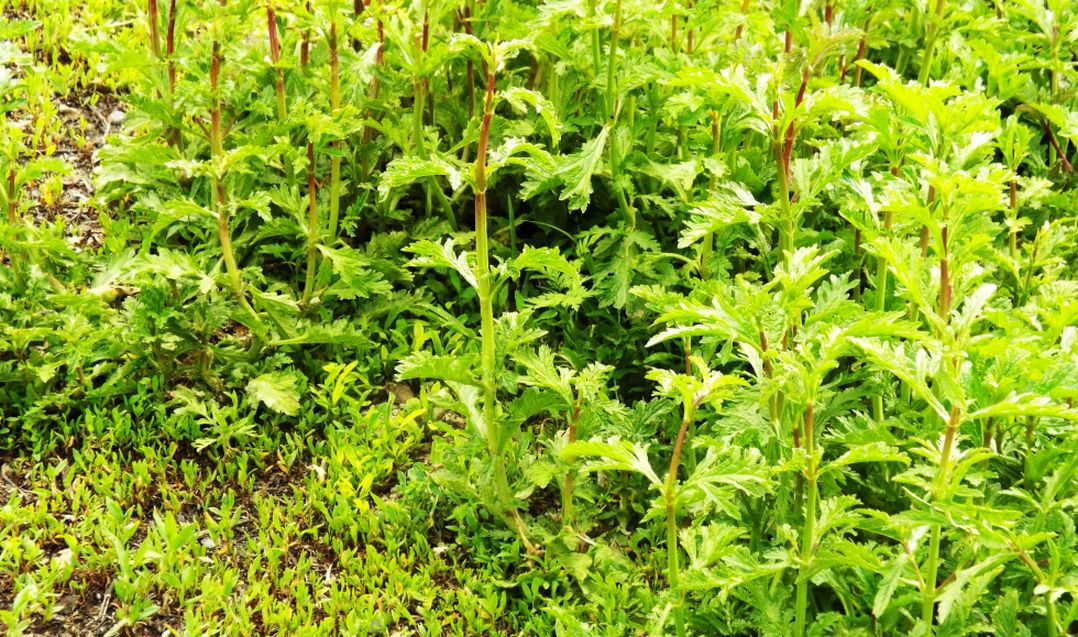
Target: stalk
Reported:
point(155, 36)
point(596, 47)
point(570, 478)
point(312, 228)
point(1050, 604)
point(784, 151)
point(12, 202)
point(275, 60)
point(669, 496)
point(486, 311)
point(928, 595)
point(357, 11)
point(1012, 242)
point(709, 238)
point(809, 525)
point(305, 45)
point(611, 105)
point(420, 87)
point(1063, 161)
point(372, 92)
point(170, 47)
point(673, 28)
point(741, 27)
point(862, 49)
point(224, 231)
point(688, 31)
point(173, 135)
point(945, 279)
point(611, 63)
point(335, 107)
point(933, 28)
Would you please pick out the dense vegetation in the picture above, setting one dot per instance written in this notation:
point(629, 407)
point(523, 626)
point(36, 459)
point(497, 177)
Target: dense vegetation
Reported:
point(618, 317)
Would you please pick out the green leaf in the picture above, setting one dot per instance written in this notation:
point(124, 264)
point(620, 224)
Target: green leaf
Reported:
point(457, 368)
point(612, 455)
point(430, 254)
point(277, 390)
point(888, 583)
point(576, 171)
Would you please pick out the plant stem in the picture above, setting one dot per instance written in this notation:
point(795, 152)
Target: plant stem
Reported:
point(305, 45)
point(155, 37)
point(809, 525)
point(928, 594)
point(495, 444)
point(275, 60)
point(862, 49)
point(611, 114)
point(570, 478)
point(881, 305)
point(670, 498)
point(945, 279)
point(933, 29)
point(12, 201)
point(312, 228)
point(217, 149)
point(741, 27)
point(174, 134)
point(334, 107)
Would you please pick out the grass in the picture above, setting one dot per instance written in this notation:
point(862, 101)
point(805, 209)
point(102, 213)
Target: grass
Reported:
point(303, 531)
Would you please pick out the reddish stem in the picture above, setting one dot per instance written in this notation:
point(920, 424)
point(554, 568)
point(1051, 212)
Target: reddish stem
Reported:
point(170, 47)
point(305, 46)
point(155, 37)
point(945, 280)
point(1055, 145)
point(741, 27)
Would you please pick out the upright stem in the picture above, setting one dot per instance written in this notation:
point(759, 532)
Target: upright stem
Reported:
point(1012, 242)
point(275, 60)
point(312, 227)
point(334, 107)
point(809, 526)
point(784, 149)
point(862, 49)
point(486, 311)
point(928, 594)
point(12, 197)
point(419, 89)
point(670, 498)
point(570, 478)
point(217, 149)
point(881, 304)
point(741, 27)
point(611, 112)
point(945, 279)
point(155, 37)
point(174, 134)
point(933, 29)
point(305, 45)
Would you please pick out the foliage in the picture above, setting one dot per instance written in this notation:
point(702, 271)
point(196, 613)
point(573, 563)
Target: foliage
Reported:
point(700, 317)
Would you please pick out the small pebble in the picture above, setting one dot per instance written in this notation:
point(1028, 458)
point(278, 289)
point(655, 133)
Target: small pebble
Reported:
point(117, 117)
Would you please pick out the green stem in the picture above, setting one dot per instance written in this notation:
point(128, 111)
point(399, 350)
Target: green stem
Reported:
point(312, 228)
point(809, 525)
point(928, 594)
point(670, 497)
point(275, 60)
point(933, 28)
point(506, 500)
point(570, 478)
point(335, 160)
point(224, 231)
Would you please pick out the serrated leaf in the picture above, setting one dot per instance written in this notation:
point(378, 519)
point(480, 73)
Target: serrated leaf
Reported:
point(277, 390)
